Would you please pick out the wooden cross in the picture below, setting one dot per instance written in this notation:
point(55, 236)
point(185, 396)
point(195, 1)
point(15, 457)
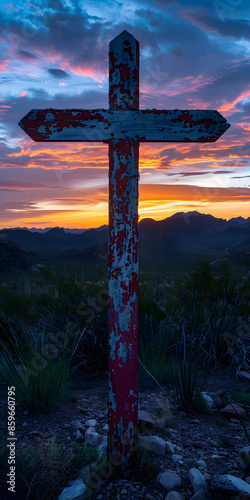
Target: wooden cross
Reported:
point(123, 127)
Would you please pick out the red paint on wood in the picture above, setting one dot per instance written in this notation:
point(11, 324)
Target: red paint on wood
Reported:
point(44, 125)
point(123, 301)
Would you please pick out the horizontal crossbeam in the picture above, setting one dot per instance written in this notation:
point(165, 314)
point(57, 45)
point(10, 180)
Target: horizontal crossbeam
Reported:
point(103, 125)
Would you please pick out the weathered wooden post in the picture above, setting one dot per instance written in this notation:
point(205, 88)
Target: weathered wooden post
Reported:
point(123, 261)
point(123, 127)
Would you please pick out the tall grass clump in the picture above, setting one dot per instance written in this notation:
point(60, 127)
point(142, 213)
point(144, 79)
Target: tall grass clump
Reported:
point(206, 315)
point(36, 367)
point(155, 333)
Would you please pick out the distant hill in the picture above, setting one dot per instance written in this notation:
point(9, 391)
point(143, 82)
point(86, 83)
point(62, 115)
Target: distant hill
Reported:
point(191, 235)
point(13, 257)
point(46, 229)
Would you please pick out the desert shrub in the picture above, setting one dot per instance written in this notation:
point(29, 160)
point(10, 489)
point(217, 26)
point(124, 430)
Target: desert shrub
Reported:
point(206, 307)
point(43, 472)
point(155, 332)
point(83, 455)
point(146, 470)
point(38, 371)
point(200, 404)
point(243, 397)
point(154, 355)
point(79, 307)
point(212, 307)
point(14, 305)
point(185, 378)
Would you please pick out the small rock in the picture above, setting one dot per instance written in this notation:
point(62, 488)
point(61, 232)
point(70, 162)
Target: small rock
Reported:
point(220, 466)
point(234, 411)
point(197, 444)
point(169, 480)
point(199, 495)
point(76, 424)
point(174, 495)
point(209, 400)
point(86, 472)
point(229, 484)
point(91, 422)
point(154, 444)
point(217, 401)
point(169, 446)
point(92, 438)
point(177, 458)
point(245, 457)
point(213, 443)
point(76, 489)
point(178, 448)
point(200, 463)
point(197, 480)
point(207, 476)
point(146, 421)
point(244, 374)
point(78, 436)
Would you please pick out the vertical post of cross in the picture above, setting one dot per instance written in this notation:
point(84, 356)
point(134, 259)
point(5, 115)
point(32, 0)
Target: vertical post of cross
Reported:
point(123, 262)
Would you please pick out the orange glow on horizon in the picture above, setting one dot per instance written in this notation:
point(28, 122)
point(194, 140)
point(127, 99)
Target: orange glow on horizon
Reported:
point(156, 201)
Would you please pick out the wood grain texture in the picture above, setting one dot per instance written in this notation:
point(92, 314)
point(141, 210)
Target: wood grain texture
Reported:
point(100, 125)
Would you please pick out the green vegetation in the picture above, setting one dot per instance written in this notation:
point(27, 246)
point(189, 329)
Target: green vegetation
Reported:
point(200, 404)
point(243, 397)
point(54, 326)
point(187, 324)
point(42, 470)
point(37, 368)
point(147, 470)
point(222, 423)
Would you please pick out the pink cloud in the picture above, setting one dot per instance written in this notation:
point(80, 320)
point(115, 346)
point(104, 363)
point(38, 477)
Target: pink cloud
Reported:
point(22, 93)
point(79, 69)
point(228, 107)
point(3, 64)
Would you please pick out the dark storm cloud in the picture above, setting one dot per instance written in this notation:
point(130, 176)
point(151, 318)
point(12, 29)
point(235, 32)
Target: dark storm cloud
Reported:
point(222, 171)
point(241, 177)
point(187, 174)
point(235, 28)
point(58, 74)
point(26, 56)
point(57, 30)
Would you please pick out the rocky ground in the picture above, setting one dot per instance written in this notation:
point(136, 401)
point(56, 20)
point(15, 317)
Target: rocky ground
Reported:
point(194, 455)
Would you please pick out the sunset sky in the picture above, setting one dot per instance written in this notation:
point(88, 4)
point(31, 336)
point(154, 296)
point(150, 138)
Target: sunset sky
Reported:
point(54, 54)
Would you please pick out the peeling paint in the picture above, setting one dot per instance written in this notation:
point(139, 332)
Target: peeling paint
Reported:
point(145, 125)
point(113, 339)
point(123, 252)
point(123, 352)
point(123, 127)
